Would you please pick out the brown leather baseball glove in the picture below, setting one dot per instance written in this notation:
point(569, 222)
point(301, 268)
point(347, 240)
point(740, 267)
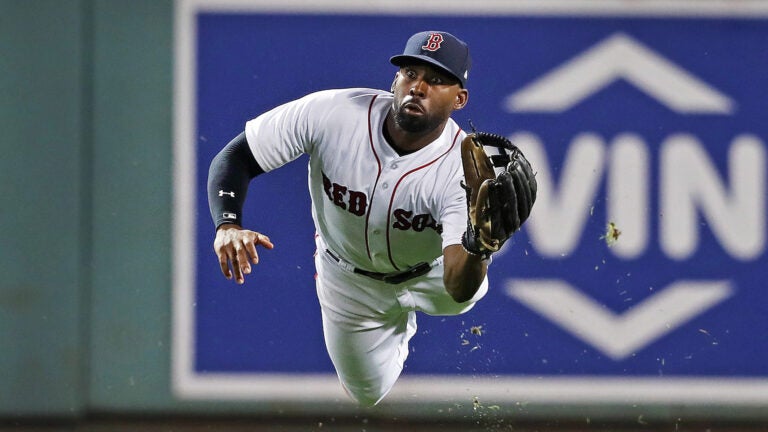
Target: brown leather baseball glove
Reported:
point(497, 205)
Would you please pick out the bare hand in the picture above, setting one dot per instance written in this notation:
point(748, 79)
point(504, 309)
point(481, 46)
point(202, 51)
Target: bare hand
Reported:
point(237, 246)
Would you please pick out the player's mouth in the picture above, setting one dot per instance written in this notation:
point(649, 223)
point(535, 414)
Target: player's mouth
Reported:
point(413, 108)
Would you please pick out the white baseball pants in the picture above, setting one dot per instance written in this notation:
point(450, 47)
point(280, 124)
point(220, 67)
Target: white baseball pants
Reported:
point(367, 323)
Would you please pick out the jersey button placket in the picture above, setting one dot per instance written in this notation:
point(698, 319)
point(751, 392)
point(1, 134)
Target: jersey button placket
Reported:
point(378, 222)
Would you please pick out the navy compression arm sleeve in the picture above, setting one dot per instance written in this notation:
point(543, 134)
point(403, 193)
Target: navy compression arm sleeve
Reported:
point(228, 177)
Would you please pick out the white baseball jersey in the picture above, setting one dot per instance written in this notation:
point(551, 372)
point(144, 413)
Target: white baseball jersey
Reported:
point(374, 208)
point(377, 211)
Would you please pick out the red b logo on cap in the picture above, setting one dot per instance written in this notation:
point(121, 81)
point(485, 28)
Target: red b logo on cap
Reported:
point(433, 43)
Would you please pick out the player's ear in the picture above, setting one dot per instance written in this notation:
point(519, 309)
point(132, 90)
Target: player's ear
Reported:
point(462, 97)
point(394, 81)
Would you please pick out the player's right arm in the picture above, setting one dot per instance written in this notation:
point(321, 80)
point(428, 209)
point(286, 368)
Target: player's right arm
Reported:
point(229, 174)
point(270, 141)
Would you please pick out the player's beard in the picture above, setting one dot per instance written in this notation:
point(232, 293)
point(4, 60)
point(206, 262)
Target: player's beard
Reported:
point(418, 124)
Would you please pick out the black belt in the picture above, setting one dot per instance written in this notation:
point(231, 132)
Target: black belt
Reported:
point(396, 277)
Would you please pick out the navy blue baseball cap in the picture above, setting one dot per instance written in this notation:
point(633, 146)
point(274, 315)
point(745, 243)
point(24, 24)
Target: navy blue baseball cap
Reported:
point(440, 49)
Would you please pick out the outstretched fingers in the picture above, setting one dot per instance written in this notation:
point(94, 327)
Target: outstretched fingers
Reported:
point(250, 246)
point(236, 251)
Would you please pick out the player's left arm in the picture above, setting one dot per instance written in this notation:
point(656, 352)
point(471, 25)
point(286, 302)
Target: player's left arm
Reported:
point(496, 206)
point(463, 272)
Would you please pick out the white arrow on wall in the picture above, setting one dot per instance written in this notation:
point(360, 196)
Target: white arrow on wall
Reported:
point(618, 335)
point(619, 57)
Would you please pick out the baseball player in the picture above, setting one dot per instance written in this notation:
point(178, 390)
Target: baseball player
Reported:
point(396, 229)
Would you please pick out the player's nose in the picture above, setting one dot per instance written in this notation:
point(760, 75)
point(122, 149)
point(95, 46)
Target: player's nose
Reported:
point(418, 88)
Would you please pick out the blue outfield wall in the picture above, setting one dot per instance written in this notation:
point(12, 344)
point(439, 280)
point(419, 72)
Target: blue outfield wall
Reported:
point(638, 279)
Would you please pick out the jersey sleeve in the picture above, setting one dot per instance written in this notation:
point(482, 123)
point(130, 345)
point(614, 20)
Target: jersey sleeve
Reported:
point(286, 132)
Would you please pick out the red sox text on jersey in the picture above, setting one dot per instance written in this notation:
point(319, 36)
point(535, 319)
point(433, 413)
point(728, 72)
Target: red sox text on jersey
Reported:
point(356, 202)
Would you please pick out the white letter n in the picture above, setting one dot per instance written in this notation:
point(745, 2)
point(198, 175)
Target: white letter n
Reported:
point(690, 183)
